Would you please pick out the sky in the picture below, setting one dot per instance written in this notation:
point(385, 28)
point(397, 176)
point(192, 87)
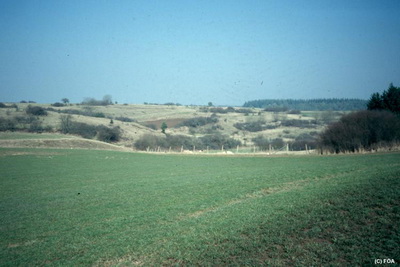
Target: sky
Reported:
point(197, 51)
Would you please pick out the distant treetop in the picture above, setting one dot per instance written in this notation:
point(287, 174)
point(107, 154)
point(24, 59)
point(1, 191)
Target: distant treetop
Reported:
point(389, 100)
point(107, 100)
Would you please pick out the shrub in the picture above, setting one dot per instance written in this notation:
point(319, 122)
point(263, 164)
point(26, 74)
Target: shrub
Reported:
point(176, 142)
point(277, 143)
point(302, 140)
point(261, 142)
point(150, 141)
point(86, 112)
point(216, 141)
point(276, 109)
point(107, 100)
point(37, 127)
point(2, 105)
point(65, 123)
point(299, 123)
point(198, 121)
point(58, 104)
point(361, 130)
point(36, 111)
point(264, 143)
point(83, 129)
point(107, 134)
point(7, 125)
point(125, 119)
point(253, 126)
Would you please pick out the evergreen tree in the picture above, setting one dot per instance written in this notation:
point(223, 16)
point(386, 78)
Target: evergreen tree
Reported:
point(375, 102)
point(163, 127)
point(389, 100)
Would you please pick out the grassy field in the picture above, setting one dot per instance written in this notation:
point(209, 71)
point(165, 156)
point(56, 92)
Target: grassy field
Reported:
point(105, 208)
point(30, 136)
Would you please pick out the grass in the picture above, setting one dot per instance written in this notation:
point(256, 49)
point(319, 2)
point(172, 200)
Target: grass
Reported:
point(82, 207)
point(21, 135)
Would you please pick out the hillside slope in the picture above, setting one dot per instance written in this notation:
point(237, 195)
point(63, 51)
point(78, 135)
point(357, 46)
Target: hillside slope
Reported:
point(136, 121)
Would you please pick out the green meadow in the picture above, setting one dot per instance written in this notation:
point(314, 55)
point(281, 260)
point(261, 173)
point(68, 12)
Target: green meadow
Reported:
point(105, 208)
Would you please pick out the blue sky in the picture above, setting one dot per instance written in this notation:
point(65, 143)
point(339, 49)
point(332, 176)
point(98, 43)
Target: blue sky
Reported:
point(193, 52)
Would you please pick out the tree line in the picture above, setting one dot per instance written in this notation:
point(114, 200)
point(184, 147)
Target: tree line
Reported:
point(336, 104)
point(372, 129)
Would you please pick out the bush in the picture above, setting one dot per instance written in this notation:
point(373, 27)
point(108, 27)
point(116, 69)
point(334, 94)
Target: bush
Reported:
point(176, 142)
point(108, 135)
point(302, 140)
point(361, 130)
point(107, 100)
point(36, 111)
point(264, 143)
point(150, 141)
point(254, 126)
point(7, 125)
point(58, 104)
point(216, 141)
point(87, 112)
point(261, 142)
point(198, 121)
point(276, 109)
point(65, 123)
point(83, 129)
point(37, 127)
point(125, 119)
point(299, 123)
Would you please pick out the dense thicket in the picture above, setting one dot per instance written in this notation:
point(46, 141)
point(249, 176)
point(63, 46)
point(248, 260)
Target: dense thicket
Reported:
point(389, 100)
point(28, 123)
point(35, 111)
point(107, 100)
point(264, 143)
point(198, 121)
point(309, 104)
point(361, 130)
point(85, 112)
point(177, 142)
point(253, 126)
point(103, 133)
